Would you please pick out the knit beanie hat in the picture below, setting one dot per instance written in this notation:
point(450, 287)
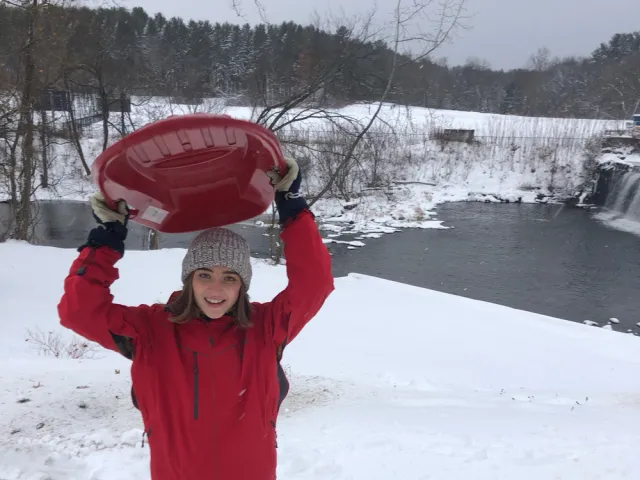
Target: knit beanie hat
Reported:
point(219, 246)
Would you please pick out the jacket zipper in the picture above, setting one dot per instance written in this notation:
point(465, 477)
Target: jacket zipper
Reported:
point(195, 386)
point(87, 261)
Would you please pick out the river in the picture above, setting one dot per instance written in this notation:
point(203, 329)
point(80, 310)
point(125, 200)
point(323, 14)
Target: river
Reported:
point(548, 259)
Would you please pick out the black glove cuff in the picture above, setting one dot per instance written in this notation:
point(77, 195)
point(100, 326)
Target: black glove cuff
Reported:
point(289, 205)
point(110, 234)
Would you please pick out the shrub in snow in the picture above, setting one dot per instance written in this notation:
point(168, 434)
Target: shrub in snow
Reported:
point(53, 345)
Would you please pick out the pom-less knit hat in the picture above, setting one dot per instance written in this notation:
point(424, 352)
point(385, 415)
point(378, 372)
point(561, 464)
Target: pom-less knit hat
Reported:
point(219, 247)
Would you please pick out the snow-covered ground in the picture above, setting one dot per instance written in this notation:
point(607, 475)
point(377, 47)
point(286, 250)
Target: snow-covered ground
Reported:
point(513, 158)
point(419, 385)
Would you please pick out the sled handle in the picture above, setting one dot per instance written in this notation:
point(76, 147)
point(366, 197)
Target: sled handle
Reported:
point(113, 205)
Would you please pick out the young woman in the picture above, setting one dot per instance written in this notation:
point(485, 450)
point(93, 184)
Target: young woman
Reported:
point(205, 372)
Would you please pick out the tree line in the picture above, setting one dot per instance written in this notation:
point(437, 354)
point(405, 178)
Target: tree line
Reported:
point(115, 52)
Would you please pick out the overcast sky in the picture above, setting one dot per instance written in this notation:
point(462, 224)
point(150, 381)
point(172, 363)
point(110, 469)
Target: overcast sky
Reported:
point(503, 32)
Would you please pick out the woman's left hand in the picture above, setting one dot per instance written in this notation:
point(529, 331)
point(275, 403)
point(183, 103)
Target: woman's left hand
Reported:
point(283, 184)
point(289, 200)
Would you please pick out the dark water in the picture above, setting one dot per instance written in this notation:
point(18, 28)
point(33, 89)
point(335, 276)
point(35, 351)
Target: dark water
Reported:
point(546, 259)
point(66, 225)
point(553, 260)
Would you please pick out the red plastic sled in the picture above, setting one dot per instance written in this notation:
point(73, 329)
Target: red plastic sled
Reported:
point(191, 172)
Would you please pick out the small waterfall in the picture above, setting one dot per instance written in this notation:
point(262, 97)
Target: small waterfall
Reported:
point(622, 207)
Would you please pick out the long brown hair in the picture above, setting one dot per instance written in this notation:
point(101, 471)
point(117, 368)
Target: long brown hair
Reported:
point(185, 307)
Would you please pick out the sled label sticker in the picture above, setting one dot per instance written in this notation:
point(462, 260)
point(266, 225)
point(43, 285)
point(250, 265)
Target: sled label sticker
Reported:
point(154, 214)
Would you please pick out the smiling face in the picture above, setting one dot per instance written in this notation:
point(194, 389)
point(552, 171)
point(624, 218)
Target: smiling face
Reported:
point(216, 290)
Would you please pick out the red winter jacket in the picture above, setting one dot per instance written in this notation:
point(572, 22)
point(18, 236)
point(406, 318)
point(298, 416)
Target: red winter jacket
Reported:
point(208, 391)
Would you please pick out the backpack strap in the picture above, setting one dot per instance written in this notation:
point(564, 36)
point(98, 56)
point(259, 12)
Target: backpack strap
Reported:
point(124, 344)
point(283, 381)
point(125, 348)
point(280, 351)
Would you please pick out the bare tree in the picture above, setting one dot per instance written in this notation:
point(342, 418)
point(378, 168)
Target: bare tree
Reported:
point(541, 60)
point(285, 115)
point(419, 26)
point(8, 147)
point(414, 25)
point(22, 153)
point(236, 5)
point(39, 66)
point(73, 127)
point(477, 63)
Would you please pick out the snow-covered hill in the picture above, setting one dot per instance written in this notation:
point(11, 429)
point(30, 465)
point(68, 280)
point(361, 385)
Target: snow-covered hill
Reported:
point(415, 384)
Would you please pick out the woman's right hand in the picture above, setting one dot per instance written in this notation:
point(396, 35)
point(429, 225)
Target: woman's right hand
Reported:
point(104, 214)
point(112, 224)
